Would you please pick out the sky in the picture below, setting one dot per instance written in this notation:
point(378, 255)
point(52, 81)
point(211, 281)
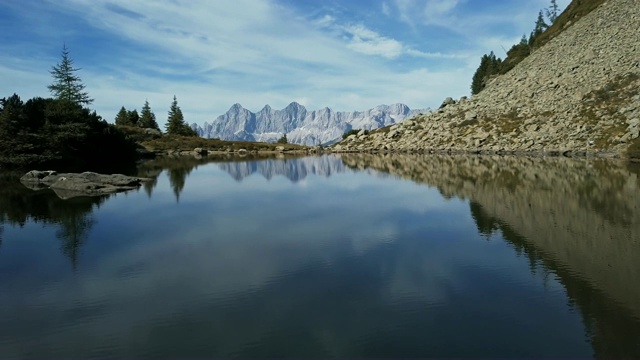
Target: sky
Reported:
point(343, 54)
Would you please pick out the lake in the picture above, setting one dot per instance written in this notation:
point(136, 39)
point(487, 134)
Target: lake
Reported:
point(332, 256)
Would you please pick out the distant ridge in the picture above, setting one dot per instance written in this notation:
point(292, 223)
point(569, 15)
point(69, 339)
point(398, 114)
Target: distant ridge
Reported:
point(304, 127)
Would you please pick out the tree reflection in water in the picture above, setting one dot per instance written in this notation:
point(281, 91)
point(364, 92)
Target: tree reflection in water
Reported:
point(19, 205)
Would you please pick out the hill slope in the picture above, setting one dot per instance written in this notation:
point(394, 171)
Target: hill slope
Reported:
point(579, 92)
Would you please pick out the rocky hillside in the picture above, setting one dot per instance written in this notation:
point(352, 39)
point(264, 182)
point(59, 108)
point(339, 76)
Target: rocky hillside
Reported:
point(578, 93)
point(302, 126)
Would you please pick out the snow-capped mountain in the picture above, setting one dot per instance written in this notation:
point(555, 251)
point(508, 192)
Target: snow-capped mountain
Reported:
point(304, 127)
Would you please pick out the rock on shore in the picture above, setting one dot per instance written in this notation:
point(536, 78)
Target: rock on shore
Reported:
point(68, 185)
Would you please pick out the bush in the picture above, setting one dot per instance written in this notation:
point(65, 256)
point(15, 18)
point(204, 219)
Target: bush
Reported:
point(58, 133)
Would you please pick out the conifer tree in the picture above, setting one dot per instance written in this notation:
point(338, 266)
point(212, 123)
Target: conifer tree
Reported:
point(147, 117)
point(552, 11)
point(66, 85)
point(122, 118)
point(133, 117)
point(539, 28)
point(489, 65)
point(283, 139)
point(175, 121)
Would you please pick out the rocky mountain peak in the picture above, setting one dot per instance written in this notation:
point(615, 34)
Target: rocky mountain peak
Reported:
point(301, 126)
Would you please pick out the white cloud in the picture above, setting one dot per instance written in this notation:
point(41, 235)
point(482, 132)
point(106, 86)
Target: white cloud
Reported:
point(369, 42)
point(435, 55)
point(386, 10)
point(437, 9)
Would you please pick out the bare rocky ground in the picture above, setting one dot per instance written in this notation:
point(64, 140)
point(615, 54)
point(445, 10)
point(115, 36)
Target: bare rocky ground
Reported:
point(578, 94)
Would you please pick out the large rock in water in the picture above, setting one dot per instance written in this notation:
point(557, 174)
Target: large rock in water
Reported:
point(84, 184)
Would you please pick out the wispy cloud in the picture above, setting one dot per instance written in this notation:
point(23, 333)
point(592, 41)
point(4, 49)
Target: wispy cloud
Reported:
point(212, 54)
point(386, 9)
point(369, 42)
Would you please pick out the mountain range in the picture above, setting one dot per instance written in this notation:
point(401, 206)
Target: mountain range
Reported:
point(301, 126)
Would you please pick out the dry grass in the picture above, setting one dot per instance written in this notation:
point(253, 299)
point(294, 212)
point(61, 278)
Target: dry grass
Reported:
point(188, 143)
point(606, 101)
point(508, 122)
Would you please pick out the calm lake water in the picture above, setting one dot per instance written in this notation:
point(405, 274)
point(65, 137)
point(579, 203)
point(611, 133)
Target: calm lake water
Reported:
point(351, 256)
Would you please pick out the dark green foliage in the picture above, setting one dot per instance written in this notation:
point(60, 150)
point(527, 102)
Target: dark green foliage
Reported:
point(122, 118)
point(147, 117)
point(353, 132)
point(283, 139)
point(490, 65)
point(515, 55)
point(133, 118)
point(175, 121)
point(66, 85)
point(137, 134)
point(60, 134)
point(540, 27)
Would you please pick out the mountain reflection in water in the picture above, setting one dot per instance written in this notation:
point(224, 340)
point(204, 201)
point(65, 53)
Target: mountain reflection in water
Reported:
point(577, 221)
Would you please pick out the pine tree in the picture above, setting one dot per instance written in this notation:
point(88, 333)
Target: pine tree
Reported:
point(122, 118)
point(283, 139)
point(175, 121)
point(133, 117)
point(552, 11)
point(66, 85)
point(489, 65)
point(147, 117)
point(539, 28)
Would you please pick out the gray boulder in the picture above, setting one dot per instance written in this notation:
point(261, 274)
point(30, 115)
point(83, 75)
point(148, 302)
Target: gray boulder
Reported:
point(155, 132)
point(448, 101)
point(84, 184)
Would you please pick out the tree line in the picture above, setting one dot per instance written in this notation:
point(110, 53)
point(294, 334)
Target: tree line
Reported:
point(176, 124)
point(63, 131)
point(491, 65)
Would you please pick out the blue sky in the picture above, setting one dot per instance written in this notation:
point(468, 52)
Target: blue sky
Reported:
point(343, 54)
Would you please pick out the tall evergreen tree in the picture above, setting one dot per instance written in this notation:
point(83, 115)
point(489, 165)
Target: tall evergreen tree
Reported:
point(283, 139)
point(539, 28)
point(489, 65)
point(552, 11)
point(175, 121)
point(66, 85)
point(147, 117)
point(122, 118)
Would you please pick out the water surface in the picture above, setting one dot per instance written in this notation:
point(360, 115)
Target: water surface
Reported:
point(359, 256)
